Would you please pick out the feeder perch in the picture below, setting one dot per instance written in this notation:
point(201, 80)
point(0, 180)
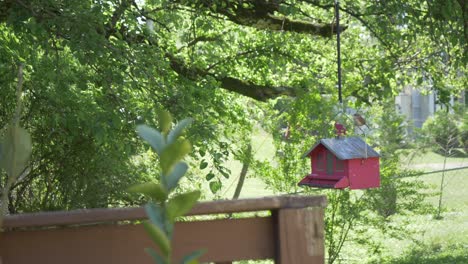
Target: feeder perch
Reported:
point(341, 163)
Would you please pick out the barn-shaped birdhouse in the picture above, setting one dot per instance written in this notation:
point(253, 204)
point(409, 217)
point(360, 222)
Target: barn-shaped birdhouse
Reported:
point(343, 162)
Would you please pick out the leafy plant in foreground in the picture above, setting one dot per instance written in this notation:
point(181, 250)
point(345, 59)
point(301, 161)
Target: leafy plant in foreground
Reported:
point(163, 210)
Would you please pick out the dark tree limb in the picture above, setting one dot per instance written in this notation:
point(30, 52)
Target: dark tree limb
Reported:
point(233, 57)
point(260, 14)
point(255, 91)
point(244, 87)
point(198, 39)
point(245, 167)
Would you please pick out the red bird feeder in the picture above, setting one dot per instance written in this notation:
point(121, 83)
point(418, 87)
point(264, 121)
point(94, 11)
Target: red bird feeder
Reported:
point(343, 162)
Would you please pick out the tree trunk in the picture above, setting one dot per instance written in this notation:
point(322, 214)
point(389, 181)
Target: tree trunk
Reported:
point(245, 167)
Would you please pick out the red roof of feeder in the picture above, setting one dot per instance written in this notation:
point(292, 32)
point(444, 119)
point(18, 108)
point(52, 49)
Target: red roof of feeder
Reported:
point(346, 148)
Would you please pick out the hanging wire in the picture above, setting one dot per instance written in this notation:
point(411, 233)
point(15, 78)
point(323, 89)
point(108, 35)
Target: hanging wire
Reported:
point(338, 49)
point(341, 111)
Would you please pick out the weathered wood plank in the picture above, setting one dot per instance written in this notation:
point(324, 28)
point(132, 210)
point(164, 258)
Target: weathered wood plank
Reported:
point(226, 240)
point(301, 236)
point(90, 216)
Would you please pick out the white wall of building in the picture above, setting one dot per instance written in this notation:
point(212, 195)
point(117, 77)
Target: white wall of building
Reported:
point(418, 106)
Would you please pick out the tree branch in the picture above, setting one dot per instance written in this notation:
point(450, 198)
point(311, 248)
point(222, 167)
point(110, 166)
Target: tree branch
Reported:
point(199, 39)
point(232, 57)
point(249, 89)
point(116, 16)
point(260, 14)
point(255, 91)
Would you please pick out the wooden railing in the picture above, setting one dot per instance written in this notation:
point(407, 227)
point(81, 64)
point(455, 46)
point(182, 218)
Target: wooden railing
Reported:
point(292, 234)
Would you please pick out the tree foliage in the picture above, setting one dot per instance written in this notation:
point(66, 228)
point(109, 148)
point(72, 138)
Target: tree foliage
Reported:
point(15, 149)
point(446, 131)
point(95, 68)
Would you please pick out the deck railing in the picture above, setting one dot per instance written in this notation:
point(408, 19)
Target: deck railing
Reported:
point(293, 233)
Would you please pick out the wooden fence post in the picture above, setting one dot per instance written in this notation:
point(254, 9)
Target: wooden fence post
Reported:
point(300, 236)
point(293, 234)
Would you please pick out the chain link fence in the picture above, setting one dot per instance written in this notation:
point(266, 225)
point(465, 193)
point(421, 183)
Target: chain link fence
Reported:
point(444, 226)
point(447, 188)
point(441, 228)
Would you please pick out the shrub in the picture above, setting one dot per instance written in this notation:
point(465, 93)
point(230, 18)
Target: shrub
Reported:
point(442, 133)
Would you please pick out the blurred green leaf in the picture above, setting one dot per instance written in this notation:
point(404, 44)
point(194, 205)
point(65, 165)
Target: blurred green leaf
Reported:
point(215, 186)
point(201, 152)
point(209, 176)
point(158, 237)
point(192, 257)
point(203, 165)
point(165, 122)
point(177, 173)
point(151, 189)
point(153, 137)
point(155, 215)
point(224, 173)
point(181, 204)
point(155, 256)
point(16, 149)
point(173, 153)
point(178, 129)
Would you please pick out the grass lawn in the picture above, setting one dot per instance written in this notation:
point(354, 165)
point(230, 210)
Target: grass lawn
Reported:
point(453, 227)
point(435, 241)
point(263, 149)
point(432, 254)
point(432, 157)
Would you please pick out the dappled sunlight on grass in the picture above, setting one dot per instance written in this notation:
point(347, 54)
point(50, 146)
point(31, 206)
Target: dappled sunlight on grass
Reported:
point(263, 150)
point(432, 157)
point(433, 253)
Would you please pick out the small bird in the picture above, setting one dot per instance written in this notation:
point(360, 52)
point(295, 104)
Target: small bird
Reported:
point(340, 129)
point(359, 120)
point(287, 132)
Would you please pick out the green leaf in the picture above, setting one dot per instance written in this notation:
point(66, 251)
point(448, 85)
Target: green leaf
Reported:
point(155, 256)
point(217, 156)
point(155, 215)
point(178, 129)
point(225, 174)
point(201, 152)
point(16, 149)
point(192, 257)
point(158, 236)
point(181, 204)
point(165, 121)
point(173, 178)
point(153, 137)
point(203, 165)
point(215, 186)
point(209, 176)
point(153, 190)
point(173, 153)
